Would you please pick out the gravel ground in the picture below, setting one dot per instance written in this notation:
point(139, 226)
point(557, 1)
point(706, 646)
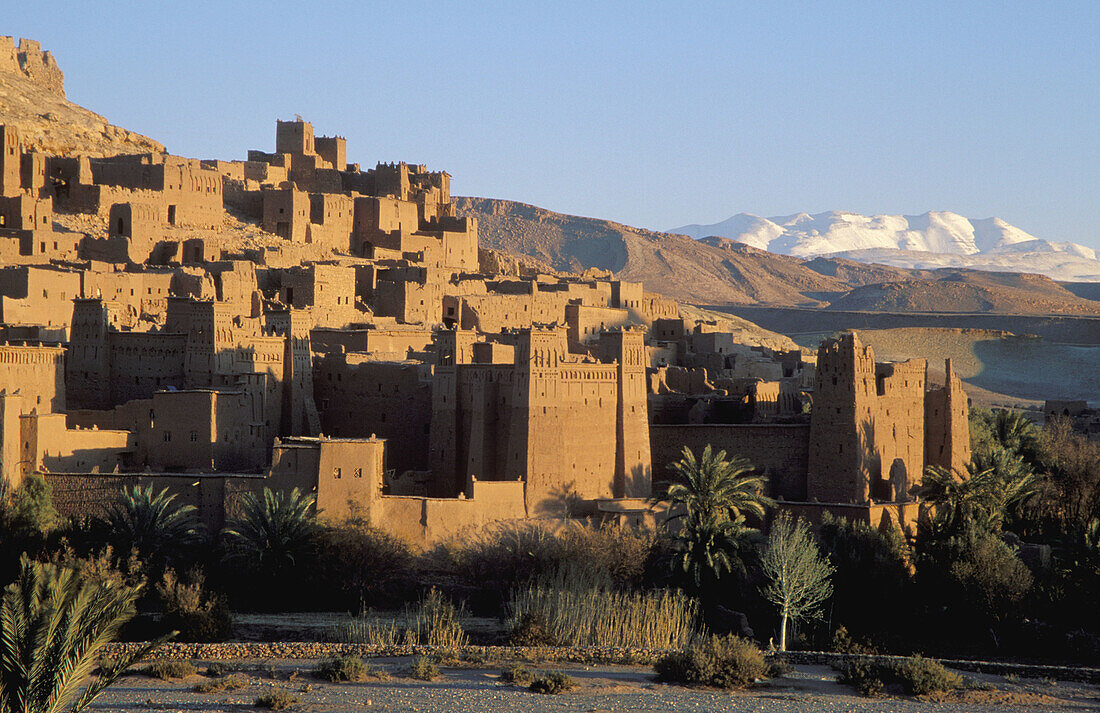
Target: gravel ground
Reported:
point(600, 688)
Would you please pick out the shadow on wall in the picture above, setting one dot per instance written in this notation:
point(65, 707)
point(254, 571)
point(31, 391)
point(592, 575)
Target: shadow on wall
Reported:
point(563, 502)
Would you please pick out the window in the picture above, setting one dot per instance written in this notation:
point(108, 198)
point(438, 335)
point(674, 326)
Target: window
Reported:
point(336, 473)
point(194, 436)
point(358, 473)
point(167, 436)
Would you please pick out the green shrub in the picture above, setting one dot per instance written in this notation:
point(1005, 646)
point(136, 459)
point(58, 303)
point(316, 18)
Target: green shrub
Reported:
point(553, 682)
point(424, 669)
point(717, 661)
point(169, 669)
point(277, 700)
point(232, 682)
point(517, 674)
point(342, 668)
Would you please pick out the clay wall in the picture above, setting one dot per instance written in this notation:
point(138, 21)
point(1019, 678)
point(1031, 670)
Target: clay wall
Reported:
point(49, 446)
point(947, 423)
point(37, 295)
point(37, 373)
point(32, 174)
point(390, 343)
point(25, 212)
point(586, 322)
point(286, 213)
point(89, 494)
point(141, 363)
point(349, 476)
point(334, 150)
point(294, 137)
point(427, 521)
point(330, 221)
point(358, 396)
point(779, 450)
point(11, 158)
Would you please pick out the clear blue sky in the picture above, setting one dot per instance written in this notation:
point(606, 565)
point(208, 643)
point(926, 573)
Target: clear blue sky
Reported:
point(652, 114)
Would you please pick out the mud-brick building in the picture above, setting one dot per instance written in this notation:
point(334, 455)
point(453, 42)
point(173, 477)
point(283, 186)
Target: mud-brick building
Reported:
point(568, 425)
point(873, 429)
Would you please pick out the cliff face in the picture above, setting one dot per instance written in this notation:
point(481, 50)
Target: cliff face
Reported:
point(32, 98)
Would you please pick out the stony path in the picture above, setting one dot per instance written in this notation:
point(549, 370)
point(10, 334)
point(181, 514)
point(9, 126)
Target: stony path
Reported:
point(600, 688)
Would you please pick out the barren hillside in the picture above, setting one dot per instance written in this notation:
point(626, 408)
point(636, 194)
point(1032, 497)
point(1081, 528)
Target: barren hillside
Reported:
point(674, 265)
point(968, 291)
point(50, 123)
point(717, 270)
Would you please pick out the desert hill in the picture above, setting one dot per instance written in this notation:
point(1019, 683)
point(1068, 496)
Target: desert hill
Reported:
point(674, 265)
point(716, 270)
point(968, 291)
point(50, 123)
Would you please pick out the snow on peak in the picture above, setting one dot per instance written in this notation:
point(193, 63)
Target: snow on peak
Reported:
point(805, 235)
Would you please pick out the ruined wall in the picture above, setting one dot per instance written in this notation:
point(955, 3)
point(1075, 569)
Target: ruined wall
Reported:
point(32, 62)
point(947, 424)
point(779, 450)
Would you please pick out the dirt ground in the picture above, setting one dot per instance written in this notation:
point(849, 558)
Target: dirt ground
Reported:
point(599, 688)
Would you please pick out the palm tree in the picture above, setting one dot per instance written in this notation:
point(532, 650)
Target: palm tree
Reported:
point(991, 489)
point(274, 532)
point(706, 550)
point(152, 523)
point(713, 488)
point(711, 497)
point(53, 625)
point(1014, 431)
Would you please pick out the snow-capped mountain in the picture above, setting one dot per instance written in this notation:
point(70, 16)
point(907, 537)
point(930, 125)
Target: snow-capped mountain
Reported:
point(934, 239)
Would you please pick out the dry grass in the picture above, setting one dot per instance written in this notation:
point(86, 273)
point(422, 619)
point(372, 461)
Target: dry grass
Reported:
point(574, 610)
point(434, 622)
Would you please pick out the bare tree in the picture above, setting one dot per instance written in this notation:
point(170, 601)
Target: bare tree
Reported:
point(796, 572)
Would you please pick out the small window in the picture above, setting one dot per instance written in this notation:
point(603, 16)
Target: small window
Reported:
point(194, 436)
point(167, 436)
point(336, 473)
point(358, 473)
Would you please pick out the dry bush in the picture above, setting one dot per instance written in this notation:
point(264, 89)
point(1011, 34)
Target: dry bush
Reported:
point(232, 682)
point(423, 668)
point(342, 668)
point(276, 700)
point(169, 669)
point(488, 566)
point(717, 661)
point(553, 682)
